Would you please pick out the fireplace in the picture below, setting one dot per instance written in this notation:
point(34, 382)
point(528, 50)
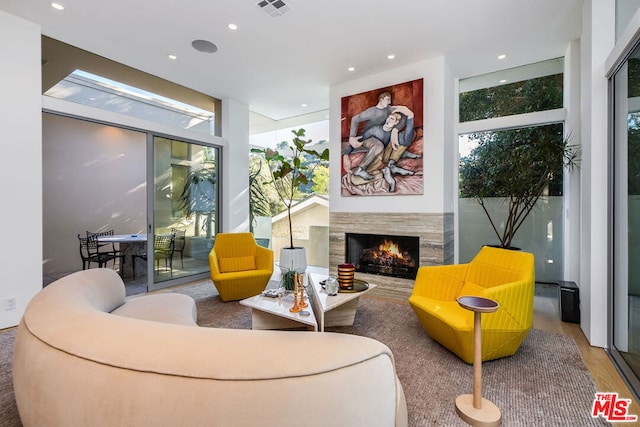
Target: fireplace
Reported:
point(396, 256)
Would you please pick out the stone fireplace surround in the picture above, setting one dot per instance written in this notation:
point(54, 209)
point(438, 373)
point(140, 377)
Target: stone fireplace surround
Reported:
point(434, 230)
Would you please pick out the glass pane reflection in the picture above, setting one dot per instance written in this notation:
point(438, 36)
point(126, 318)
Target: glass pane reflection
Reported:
point(185, 207)
point(626, 282)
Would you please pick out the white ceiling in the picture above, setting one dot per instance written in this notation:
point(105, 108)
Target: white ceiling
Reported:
point(277, 64)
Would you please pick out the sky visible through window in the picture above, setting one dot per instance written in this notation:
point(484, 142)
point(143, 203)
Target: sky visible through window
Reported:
point(317, 131)
point(95, 91)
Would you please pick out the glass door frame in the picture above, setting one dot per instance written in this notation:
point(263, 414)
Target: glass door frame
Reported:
point(150, 165)
point(618, 247)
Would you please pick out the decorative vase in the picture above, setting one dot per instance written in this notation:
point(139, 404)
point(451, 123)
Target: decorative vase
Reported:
point(346, 274)
point(293, 259)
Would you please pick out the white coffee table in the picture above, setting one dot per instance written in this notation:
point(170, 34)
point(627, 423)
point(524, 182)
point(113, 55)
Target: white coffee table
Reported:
point(333, 310)
point(273, 313)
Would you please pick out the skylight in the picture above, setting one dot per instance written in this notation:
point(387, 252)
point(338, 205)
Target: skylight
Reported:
point(95, 91)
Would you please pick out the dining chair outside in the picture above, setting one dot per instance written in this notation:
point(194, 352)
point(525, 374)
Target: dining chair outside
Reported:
point(162, 249)
point(109, 247)
point(89, 253)
point(179, 243)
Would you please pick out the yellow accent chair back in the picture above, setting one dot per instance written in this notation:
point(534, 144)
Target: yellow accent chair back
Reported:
point(240, 268)
point(505, 276)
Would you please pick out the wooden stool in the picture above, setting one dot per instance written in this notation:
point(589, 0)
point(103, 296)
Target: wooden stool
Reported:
point(473, 408)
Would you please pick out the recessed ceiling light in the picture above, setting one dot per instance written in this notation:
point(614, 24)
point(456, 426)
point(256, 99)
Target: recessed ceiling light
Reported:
point(204, 46)
point(57, 6)
point(502, 56)
point(351, 68)
point(503, 81)
point(303, 105)
point(232, 26)
point(392, 56)
point(171, 56)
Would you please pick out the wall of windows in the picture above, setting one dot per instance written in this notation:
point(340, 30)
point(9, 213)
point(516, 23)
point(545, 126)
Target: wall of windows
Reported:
point(310, 212)
point(510, 132)
point(540, 231)
point(185, 206)
point(146, 195)
point(95, 179)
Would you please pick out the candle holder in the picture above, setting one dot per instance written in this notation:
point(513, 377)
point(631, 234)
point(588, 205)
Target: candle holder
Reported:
point(296, 308)
point(302, 302)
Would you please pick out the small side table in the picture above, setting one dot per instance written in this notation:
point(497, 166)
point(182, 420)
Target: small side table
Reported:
point(473, 408)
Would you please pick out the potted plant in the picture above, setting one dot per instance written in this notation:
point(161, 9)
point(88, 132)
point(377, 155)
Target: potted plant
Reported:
point(518, 165)
point(289, 172)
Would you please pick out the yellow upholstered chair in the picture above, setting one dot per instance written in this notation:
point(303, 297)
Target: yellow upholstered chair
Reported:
point(505, 276)
point(239, 267)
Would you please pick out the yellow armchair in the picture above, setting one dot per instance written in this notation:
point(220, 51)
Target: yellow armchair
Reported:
point(240, 268)
point(505, 276)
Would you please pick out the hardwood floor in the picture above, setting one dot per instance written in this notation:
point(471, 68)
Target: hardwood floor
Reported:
point(546, 316)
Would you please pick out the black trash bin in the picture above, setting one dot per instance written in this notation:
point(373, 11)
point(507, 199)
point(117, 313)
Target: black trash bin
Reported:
point(569, 301)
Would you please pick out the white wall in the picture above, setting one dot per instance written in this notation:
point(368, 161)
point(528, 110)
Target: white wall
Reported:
point(598, 39)
point(438, 140)
point(235, 173)
point(571, 229)
point(21, 171)
point(94, 178)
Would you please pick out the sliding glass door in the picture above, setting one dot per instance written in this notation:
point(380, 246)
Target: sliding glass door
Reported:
point(625, 313)
point(185, 210)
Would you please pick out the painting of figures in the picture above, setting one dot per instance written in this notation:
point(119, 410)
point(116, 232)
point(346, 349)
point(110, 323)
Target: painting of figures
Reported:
point(382, 141)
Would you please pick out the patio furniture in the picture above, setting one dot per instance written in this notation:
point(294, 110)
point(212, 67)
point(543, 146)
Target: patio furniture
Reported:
point(89, 253)
point(162, 249)
point(128, 244)
point(107, 246)
point(179, 243)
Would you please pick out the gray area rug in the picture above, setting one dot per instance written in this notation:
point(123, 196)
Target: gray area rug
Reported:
point(544, 384)
point(8, 411)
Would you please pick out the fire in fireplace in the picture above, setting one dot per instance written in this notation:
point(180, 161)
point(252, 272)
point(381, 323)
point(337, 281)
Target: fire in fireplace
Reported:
point(386, 255)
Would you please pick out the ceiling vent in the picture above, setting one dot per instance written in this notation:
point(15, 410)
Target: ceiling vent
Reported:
point(273, 8)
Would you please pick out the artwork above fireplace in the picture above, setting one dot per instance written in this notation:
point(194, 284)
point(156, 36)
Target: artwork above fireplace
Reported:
point(383, 254)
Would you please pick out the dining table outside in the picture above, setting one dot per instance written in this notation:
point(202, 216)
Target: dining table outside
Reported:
point(129, 245)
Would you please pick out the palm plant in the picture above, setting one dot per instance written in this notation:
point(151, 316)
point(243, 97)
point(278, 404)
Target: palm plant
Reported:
point(258, 201)
point(198, 197)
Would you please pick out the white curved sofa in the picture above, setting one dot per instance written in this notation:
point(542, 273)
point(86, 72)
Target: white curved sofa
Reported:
point(85, 356)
